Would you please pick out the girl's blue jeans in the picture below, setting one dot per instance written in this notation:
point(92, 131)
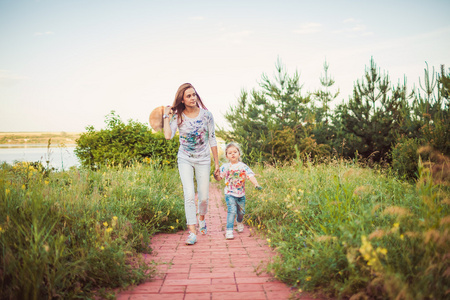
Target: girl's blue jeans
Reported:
point(236, 209)
point(187, 171)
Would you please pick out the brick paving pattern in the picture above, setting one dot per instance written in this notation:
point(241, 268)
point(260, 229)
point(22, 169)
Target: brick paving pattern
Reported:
point(213, 268)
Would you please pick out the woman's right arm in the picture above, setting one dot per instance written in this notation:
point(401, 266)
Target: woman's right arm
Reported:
point(167, 129)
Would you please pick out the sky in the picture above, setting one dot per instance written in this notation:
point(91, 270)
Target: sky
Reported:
point(66, 64)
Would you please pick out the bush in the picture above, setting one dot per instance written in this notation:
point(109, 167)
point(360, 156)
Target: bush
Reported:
point(122, 144)
point(405, 157)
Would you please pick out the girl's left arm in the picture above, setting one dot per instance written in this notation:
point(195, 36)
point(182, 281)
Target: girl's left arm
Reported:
point(254, 181)
point(251, 177)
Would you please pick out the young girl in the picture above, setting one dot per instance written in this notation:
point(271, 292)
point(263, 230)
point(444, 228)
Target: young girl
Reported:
point(235, 173)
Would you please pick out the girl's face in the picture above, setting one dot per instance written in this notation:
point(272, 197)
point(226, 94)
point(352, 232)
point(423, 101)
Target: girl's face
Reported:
point(233, 154)
point(190, 98)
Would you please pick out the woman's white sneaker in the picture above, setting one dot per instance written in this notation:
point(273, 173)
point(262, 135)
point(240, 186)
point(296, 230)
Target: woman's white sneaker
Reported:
point(229, 235)
point(192, 239)
point(240, 227)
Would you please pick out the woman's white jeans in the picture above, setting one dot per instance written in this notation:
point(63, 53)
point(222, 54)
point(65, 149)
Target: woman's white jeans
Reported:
point(202, 173)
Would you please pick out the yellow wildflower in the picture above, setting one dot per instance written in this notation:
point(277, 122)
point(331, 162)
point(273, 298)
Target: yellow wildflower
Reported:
point(171, 227)
point(370, 255)
point(308, 278)
point(382, 250)
point(102, 248)
point(7, 191)
point(108, 230)
point(115, 218)
point(105, 224)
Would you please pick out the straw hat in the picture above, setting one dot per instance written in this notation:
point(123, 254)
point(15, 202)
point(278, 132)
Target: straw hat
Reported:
point(156, 118)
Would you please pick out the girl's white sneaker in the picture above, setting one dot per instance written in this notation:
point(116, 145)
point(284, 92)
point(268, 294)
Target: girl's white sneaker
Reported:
point(240, 227)
point(229, 235)
point(202, 225)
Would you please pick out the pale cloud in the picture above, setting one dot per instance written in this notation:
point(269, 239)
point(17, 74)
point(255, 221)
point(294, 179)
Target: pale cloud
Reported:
point(44, 33)
point(8, 78)
point(349, 20)
point(234, 37)
point(398, 45)
point(309, 28)
point(197, 18)
point(353, 28)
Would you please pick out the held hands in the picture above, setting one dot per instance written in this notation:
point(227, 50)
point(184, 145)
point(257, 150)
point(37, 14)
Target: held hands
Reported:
point(217, 175)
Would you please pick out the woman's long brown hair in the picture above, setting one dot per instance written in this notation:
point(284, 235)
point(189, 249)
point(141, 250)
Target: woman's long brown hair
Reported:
point(178, 106)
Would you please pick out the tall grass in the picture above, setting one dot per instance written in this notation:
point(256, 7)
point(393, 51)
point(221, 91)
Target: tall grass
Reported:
point(68, 234)
point(350, 231)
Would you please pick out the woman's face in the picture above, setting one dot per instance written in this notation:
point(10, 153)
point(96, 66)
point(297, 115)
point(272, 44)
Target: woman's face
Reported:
point(190, 98)
point(233, 154)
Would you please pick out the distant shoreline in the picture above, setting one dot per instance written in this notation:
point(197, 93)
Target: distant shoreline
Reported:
point(24, 138)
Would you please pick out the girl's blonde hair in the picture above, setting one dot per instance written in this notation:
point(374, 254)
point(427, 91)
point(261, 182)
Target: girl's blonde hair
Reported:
point(235, 145)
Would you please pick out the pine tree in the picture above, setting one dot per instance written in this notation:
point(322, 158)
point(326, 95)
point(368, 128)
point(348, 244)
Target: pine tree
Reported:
point(267, 122)
point(322, 130)
point(324, 96)
point(371, 121)
point(431, 110)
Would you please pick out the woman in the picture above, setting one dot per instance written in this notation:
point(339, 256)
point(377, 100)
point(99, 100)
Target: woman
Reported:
point(195, 124)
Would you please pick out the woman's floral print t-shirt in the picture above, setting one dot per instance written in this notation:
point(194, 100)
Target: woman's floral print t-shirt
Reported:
point(235, 176)
point(197, 135)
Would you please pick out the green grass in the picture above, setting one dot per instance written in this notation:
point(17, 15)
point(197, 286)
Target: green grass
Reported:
point(69, 234)
point(345, 230)
point(339, 228)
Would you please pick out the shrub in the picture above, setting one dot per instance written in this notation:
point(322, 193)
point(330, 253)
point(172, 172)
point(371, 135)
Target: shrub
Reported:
point(122, 144)
point(405, 157)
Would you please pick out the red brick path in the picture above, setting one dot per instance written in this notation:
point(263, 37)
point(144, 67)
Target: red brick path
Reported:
point(213, 268)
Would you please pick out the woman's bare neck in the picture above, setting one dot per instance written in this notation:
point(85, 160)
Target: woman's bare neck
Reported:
point(191, 112)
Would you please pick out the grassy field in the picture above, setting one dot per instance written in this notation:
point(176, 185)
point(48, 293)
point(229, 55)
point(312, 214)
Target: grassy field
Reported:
point(72, 234)
point(355, 232)
point(340, 228)
point(57, 138)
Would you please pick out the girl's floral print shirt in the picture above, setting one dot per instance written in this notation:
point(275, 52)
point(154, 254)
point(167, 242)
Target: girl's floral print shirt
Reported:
point(235, 176)
point(197, 136)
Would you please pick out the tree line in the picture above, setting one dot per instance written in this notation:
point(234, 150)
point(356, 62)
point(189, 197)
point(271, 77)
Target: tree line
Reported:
point(381, 122)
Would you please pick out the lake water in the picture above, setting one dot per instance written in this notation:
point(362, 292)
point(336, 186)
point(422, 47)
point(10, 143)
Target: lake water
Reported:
point(60, 158)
